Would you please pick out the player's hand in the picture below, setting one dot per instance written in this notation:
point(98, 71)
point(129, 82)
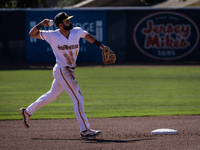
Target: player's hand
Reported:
point(45, 22)
point(108, 56)
point(102, 47)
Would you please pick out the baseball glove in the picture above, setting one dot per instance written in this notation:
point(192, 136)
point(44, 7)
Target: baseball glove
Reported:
point(108, 56)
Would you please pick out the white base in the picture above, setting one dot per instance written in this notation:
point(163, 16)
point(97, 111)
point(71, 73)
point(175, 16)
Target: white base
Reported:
point(164, 131)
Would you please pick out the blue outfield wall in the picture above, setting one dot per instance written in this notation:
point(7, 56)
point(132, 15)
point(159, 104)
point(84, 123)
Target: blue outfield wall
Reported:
point(135, 34)
point(90, 20)
point(163, 35)
point(12, 36)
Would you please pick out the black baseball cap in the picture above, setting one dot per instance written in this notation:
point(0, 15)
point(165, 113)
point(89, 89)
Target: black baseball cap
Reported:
point(60, 17)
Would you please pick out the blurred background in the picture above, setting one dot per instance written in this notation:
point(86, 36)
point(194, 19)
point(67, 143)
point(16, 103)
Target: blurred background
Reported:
point(138, 31)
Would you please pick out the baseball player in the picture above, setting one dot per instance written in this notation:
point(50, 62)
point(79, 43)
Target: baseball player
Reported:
point(65, 44)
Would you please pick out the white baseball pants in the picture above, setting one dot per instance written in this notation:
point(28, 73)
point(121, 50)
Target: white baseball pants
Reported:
point(64, 79)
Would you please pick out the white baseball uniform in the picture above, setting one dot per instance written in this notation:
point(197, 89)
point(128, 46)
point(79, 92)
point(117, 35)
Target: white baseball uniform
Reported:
point(66, 52)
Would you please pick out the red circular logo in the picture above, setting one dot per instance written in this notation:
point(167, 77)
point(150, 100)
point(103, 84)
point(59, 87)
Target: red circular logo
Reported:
point(166, 35)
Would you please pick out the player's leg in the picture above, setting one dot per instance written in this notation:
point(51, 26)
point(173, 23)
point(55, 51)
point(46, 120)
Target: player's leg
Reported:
point(51, 95)
point(67, 79)
point(70, 85)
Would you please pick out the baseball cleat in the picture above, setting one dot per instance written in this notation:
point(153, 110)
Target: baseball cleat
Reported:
point(25, 116)
point(90, 133)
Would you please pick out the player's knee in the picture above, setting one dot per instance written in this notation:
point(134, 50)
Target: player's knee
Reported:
point(54, 94)
point(77, 102)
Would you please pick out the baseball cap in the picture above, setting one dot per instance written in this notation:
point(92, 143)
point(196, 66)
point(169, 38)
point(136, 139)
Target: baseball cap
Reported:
point(60, 17)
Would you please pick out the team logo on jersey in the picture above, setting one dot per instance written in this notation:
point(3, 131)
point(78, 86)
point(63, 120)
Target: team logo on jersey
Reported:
point(67, 47)
point(166, 35)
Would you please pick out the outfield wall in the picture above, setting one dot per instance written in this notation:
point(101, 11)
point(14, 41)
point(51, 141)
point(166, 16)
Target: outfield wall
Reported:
point(12, 36)
point(135, 34)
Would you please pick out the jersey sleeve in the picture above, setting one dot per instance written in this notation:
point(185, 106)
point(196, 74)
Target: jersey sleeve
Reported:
point(82, 33)
point(46, 35)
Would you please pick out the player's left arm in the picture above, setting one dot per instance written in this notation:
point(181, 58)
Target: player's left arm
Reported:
point(108, 55)
point(91, 39)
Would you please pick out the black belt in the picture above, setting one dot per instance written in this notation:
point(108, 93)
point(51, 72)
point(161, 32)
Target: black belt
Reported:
point(70, 67)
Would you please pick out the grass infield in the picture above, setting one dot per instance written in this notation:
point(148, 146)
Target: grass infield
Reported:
point(108, 92)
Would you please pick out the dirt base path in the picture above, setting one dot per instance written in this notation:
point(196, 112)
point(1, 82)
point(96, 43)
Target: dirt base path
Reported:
point(117, 133)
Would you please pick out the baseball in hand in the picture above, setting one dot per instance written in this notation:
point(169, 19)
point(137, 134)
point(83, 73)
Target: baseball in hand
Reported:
point(50, 22)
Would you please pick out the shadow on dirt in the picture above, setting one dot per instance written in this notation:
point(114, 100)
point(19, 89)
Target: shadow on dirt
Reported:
point(115, 141)
point(98, 140)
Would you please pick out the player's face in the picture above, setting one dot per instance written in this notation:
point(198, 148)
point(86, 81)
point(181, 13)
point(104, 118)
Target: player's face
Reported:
point(67, 25)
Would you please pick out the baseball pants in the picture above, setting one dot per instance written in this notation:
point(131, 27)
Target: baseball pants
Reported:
point(64, 79)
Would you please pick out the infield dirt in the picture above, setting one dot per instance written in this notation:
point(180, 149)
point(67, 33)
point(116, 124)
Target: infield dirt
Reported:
point(117, 134)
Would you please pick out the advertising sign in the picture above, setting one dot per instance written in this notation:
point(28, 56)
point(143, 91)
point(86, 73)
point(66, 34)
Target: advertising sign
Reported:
point(90, 20)
point(166, 35)
point(163, 35)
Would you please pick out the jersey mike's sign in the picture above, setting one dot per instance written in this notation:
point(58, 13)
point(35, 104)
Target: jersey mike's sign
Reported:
point(166, 35)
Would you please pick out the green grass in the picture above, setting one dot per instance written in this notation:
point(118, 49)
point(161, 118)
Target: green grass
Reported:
point(107, 91)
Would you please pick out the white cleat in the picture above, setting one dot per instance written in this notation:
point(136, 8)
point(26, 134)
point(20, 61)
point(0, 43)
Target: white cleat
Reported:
point(90, 133)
